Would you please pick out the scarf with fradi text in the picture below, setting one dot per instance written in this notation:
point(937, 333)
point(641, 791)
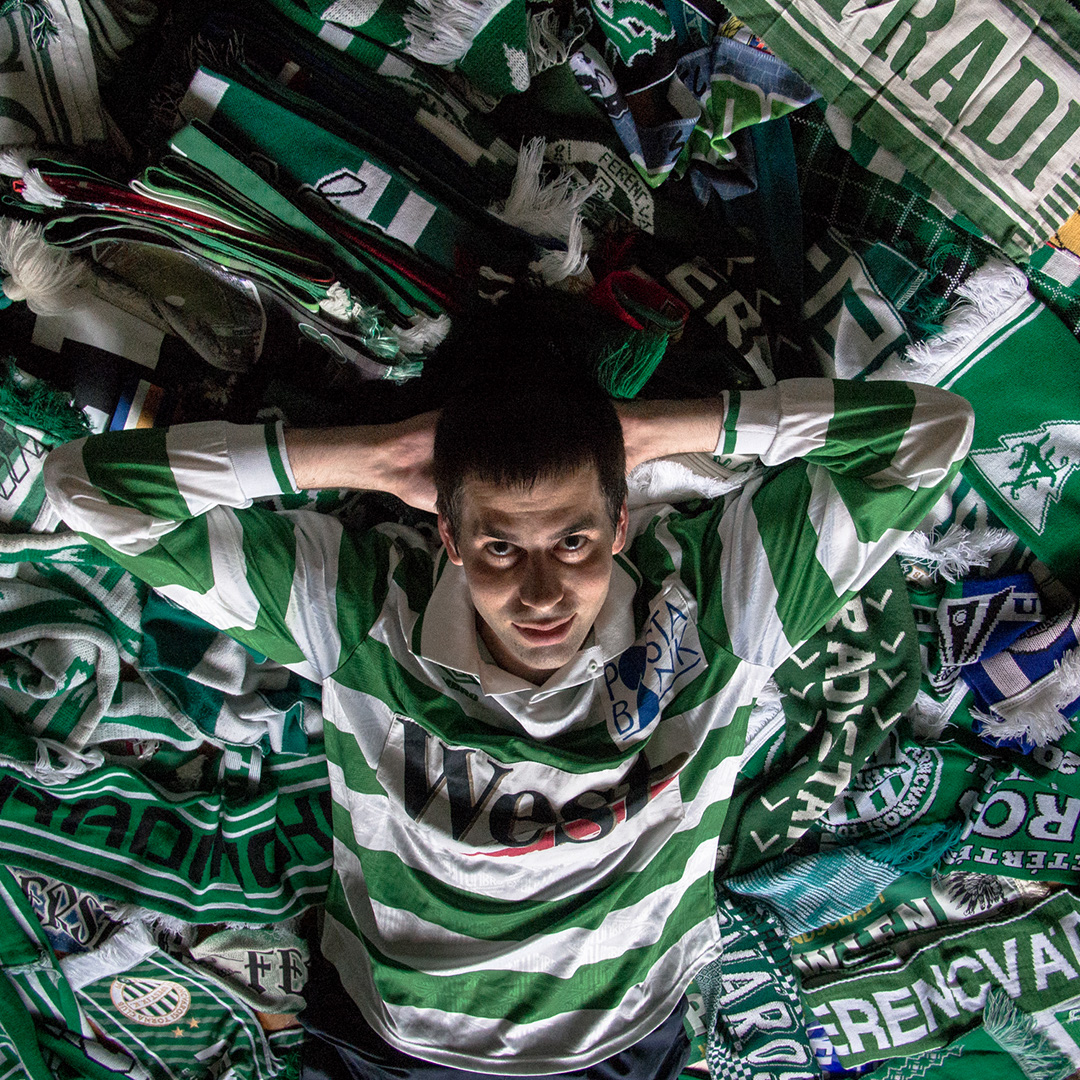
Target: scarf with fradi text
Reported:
point(998, 77)
point(202, 857)
point(843, 692)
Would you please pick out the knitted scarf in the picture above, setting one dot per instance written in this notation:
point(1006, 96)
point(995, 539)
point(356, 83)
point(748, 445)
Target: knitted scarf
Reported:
point(1000, 77)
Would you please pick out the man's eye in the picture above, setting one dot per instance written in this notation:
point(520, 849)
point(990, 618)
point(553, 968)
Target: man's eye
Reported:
point(575, 543)
point(499, 548)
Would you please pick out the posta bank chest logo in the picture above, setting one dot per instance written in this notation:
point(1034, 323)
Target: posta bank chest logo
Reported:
point(666, 656)
point(1031, 468)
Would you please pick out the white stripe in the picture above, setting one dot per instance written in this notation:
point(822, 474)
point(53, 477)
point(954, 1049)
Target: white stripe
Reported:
point(849, 562)
point(1036, 310)
point(336, 36)
point(934, 440)
point(311, 617)
point(231, 602)
point(411, 219)
point(748, 593)
point(204, 94)
point(409, 939)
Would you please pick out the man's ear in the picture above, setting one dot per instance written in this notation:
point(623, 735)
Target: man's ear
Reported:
point(447, 537)
point(620, 529)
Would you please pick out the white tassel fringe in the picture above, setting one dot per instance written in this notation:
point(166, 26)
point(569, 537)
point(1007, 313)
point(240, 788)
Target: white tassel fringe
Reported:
point(442, 31)
point(550, 211)
point(1034, 713)
point(39, 273)
point(546, 48)
point(37, 191)
point(15, 160)
point(986, 295)
point(425, 333)
point(958, 550)
point(55, 763)
point(929, 718)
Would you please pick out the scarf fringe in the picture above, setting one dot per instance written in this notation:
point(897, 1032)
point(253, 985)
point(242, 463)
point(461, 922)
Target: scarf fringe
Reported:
point(929, 718)
point(550, 211)
point(682, 477)
point(916, 850)
point(43, 275)
point(55, 763)
point(546, 48)
point(1017, 1034)
point(442, 31)
point(42, 411)
point(955, 552)
point(984, 297)
point(1035, 714)
point(425, 333)
point(15, 162)
point(365, 321)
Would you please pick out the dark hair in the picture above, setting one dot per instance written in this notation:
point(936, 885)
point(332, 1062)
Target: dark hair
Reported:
point(515, 433)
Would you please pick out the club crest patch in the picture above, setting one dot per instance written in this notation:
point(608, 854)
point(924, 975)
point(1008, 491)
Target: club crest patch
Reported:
point(153, 1002)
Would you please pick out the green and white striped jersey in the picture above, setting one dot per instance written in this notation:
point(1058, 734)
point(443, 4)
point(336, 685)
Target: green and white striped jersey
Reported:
point(523, 875)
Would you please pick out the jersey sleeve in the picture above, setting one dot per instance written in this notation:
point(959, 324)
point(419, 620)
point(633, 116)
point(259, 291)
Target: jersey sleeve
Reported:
point(851, 469)
point(174, 506)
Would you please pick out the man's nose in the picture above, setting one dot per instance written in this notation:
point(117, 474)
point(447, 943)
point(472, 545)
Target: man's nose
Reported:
point(541, 584)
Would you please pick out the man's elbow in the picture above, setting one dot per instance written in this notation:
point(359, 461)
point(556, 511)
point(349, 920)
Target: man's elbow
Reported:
point(66, 482)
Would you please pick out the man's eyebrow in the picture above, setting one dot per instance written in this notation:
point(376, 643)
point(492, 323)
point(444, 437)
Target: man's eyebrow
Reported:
point(493, 532)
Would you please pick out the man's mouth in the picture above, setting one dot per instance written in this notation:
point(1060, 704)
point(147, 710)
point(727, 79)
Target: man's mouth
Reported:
point(545, 633)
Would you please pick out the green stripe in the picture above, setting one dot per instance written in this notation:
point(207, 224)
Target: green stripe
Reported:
point(363, 569)
point(181, 557)
point(806, 597)
point(371, 668)
point(269, 546)
point(343, 749)
point(394, 883)
point(273, 449)
point(731, 421)
point(534, 996)
point(151, 487)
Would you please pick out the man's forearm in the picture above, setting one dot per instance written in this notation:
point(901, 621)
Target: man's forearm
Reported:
point(381, 457)
point(654, 429)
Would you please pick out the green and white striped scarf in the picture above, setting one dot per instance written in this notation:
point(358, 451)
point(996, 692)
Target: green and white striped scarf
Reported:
point(48, 83)
point(999, 76)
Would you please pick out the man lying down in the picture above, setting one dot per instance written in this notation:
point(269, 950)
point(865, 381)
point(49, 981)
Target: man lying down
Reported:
point(532, 727)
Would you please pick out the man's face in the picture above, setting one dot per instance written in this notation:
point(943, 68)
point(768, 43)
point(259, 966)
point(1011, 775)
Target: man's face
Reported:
point(538, 566)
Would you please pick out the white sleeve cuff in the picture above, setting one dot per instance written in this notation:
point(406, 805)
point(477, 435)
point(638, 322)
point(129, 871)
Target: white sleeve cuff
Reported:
point(259, 460)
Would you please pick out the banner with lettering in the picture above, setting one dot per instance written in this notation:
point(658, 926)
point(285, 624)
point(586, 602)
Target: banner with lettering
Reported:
point(887, 1008)
point(844, 691)
point(200, 857)
point(980, 100)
